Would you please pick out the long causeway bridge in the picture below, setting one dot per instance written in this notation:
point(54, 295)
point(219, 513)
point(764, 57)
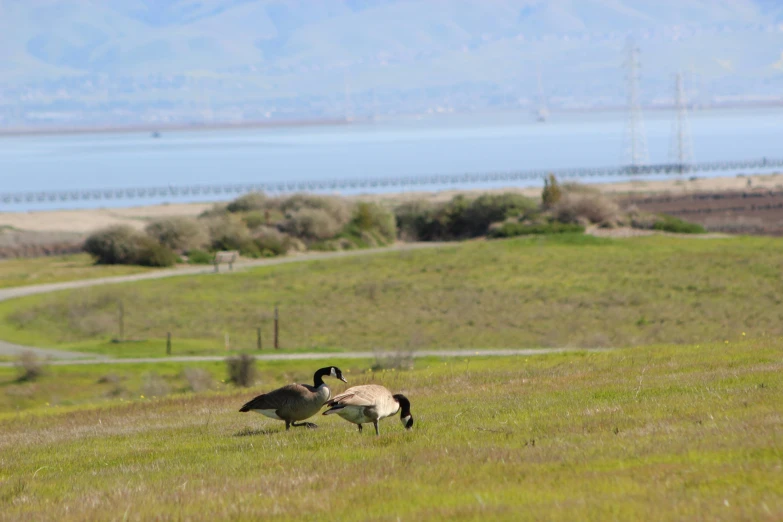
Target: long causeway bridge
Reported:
point(219, 189)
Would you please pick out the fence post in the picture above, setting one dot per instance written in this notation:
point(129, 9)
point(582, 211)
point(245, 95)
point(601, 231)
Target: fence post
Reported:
point(277, 330)
point(168, 343)
point(121, 310)
point(258, 338)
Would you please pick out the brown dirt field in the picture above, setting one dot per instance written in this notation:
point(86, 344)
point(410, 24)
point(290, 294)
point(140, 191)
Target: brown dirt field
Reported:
point(755, 211)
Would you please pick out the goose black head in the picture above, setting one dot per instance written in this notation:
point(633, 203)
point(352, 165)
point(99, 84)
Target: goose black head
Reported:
point(329, 371)
point(405, 410)
point(337, 373)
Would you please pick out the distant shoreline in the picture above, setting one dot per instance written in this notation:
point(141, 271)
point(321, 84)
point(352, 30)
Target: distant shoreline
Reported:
point(325, 122)
point(180, 127)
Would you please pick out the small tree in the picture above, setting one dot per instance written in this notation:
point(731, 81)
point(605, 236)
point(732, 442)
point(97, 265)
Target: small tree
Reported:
point(551, 193)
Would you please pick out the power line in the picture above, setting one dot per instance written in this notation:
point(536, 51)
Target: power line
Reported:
point(635, 135)
point(681, 148)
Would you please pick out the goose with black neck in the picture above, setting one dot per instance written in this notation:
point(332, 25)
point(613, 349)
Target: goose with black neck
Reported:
point(296, 402)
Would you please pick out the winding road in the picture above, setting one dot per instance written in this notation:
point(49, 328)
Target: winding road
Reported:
point(62, 357)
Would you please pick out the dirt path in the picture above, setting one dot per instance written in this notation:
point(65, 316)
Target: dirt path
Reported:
point(10, 349)
point(511, 352)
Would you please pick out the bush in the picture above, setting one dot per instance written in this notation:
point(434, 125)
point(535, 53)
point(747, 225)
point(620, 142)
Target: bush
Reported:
point(393, 360)
point(230, 233)
point(30, 367)
point(551, 194)
point(678, 226)
point(490, 208)
point(199, 257)
point(153, 385)
point(242, 370)
point(415, 221)
point(115, 245)
point(512, 229)
point(312, 224)
point(271, 242)
point(590, 207)
point(217, 210)
point(179, 233)
point(151, 253)
point(248, 202)
point(373, 217)
point(255, 220)
point(199, 379)
point(337, 208)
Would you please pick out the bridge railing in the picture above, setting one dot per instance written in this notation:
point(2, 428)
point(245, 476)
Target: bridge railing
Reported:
point(186, 191)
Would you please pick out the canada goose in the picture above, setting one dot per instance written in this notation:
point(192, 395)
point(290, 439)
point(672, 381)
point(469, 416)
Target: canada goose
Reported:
point(295, 402)
point(370, 403)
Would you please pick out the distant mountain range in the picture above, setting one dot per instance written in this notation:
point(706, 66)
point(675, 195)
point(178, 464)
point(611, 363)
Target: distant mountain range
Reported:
point(74, 62)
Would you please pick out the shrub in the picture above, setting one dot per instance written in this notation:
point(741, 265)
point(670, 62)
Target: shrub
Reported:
point(337, 208)
point(271, 242)
point(312, 224)
point(217, 210)
point(255, 220)
point(678, 226)
point(415, 221)
point(153, 385)
point(373, 217)
point(178, 233)
point(151, 253)
point(393, 360)
point(228, 233)
point(114, 245)
point(242, 370)
point(199, 379)
point(551, 194)
point(248, 202)
point(512, 229)
point(592, 207)
point(489, 208)
point(199, 257)
point(30, 367)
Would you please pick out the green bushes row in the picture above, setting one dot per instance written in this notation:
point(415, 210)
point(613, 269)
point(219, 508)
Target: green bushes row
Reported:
point(668, 223)
point(258, 226)
point(122, 245)
point(459, 218)
point(512, 229)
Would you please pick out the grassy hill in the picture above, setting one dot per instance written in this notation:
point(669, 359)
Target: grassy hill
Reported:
point(665, 433)
point(545, 291)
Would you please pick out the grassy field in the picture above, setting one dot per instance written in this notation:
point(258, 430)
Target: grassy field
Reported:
point(567, 291)
point(661, 433)
point(56, 269)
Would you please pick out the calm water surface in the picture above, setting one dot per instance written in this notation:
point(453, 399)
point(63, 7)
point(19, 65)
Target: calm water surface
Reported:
point(429, 145)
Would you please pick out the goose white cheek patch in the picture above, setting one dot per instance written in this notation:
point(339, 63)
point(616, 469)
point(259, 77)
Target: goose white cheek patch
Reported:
point(404, 420)
point(334, 373)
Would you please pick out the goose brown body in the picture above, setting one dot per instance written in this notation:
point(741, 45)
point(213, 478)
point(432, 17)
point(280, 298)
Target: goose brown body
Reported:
point(370, 403)
point(295, 402)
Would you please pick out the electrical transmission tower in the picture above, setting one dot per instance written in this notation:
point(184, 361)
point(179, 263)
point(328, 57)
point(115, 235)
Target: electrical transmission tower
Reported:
point(681, 149)
point(635, 136)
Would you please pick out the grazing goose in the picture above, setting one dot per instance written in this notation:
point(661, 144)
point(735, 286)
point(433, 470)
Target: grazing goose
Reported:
point(370, 403)
point(295, 402)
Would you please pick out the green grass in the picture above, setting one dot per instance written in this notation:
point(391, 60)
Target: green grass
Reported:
point(661, 433)
point(56, 269)
point(528, 292)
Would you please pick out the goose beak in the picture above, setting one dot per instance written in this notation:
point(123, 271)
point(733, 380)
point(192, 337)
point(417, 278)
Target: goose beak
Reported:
point(343, 379)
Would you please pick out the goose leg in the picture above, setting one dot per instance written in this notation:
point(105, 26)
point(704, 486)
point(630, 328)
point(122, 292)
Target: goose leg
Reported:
point(360, 428)
point(375, 423)
point(304, 425)
point(287, 425)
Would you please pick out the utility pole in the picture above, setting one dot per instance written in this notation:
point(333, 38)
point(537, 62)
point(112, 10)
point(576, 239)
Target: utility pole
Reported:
point(635, 135)
point(681, 149)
